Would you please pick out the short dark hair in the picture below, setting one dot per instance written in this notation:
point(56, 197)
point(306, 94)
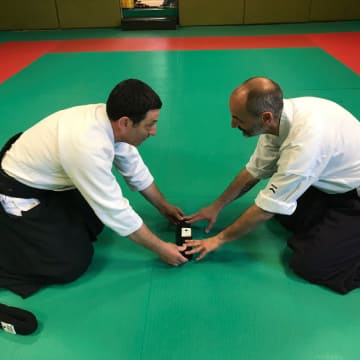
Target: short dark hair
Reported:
point(266, 99)
point(132, 98)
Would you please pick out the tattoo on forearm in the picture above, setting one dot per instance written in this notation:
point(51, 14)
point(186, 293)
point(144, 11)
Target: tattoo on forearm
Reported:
point(247, 187)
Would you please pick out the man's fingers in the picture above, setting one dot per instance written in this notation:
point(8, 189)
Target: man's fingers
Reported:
point(201, 256)
point(209, 227)
point(182, 247)
point(197, 249)
point(192, 242)
point(180, 260)
point(180, 213)
point(192, 251)
point(192, 218)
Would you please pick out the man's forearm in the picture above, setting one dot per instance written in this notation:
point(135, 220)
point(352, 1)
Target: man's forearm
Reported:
point(249, 220)
point(243, 182)
point(154, 196)
point(146, 238)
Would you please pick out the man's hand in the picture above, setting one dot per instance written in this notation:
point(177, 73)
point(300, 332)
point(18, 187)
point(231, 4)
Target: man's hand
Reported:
point(168, 252)
point(156, 198)
point(171, 254)
point(172, 213)
point(203, 246)
point(209, 213)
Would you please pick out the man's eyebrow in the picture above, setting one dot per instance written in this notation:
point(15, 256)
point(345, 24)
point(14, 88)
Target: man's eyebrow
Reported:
point(153, 122)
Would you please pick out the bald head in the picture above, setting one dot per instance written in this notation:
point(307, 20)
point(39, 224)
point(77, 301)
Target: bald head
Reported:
point(258, 95)
point(256, 83)
point(256, 106)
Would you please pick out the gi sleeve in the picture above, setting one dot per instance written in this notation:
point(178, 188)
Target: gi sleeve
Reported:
point(300, 164)
point(89, 167)
point(131, 166)
point(281, 193)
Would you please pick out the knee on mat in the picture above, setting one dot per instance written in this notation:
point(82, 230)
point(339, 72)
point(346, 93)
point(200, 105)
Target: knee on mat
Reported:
point(74, 268)
point(308, 267)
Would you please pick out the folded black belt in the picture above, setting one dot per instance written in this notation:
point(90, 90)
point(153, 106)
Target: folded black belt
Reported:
point(17, 321)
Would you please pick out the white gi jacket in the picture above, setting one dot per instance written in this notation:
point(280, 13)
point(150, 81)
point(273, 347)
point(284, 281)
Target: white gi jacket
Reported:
point(318, 145)
point(75, 148)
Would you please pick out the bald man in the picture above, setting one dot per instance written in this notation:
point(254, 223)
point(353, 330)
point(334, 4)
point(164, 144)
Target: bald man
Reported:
point(308, 149)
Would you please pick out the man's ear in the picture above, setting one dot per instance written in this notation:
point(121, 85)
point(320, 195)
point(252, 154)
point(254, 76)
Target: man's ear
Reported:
point(267, 117)
point(124, 122)
point(121, 128)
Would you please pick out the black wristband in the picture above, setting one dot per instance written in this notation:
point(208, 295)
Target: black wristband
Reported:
point(17, 321)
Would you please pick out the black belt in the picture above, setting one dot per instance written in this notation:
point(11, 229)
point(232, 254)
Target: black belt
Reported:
point(17, 321)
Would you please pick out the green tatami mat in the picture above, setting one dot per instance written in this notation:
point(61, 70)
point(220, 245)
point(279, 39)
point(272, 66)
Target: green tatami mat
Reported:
point(241, 302)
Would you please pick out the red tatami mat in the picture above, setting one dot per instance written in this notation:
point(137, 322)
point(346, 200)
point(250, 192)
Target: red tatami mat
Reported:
point(185, 43)
point(345, 47)
point(15, 56)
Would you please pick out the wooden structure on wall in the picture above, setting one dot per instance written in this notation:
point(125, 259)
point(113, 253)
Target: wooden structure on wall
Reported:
point(58, 14)
point(63, 14)
point(236, 12)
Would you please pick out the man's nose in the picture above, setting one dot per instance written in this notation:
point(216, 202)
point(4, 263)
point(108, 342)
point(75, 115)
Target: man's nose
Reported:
point(152, 131)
